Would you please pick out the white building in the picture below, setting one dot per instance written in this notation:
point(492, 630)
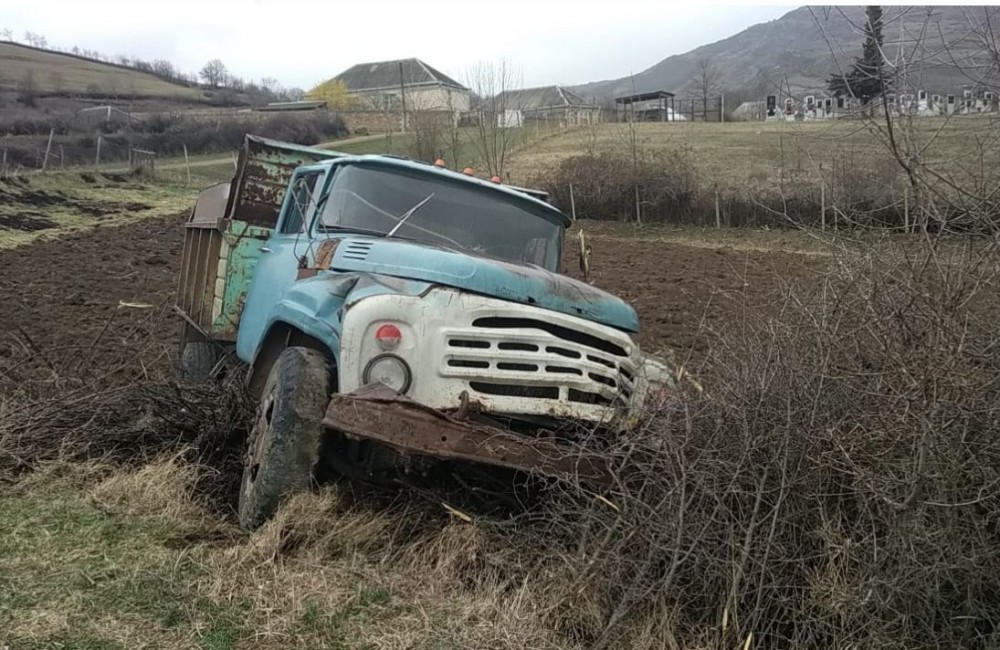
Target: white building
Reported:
point(389, 85)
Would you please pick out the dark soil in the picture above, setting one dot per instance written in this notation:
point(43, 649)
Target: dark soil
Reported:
point(64, 292)
point(684, 294)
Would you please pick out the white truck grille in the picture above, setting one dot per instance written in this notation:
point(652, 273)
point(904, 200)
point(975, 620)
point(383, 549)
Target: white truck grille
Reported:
point(530, 358)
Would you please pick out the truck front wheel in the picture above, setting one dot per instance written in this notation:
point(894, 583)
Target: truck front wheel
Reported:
point(284, 445)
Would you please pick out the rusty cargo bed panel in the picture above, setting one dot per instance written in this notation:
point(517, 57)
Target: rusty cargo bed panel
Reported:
point(264, 169)
point(380, 414)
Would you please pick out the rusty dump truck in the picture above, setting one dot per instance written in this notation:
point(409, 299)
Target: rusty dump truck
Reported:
point(393, 316)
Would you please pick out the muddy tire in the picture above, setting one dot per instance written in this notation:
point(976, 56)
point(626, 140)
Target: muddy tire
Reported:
point(284, 445)
point(198, 359)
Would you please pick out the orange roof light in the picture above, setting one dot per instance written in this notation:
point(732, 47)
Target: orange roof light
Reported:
point(440, 163)
point(469, 171)
point(497, 179)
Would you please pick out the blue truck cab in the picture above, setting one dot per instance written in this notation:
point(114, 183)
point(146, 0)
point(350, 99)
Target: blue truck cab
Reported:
point(393, 315)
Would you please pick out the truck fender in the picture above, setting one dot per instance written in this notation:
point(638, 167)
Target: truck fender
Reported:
point(292, 324)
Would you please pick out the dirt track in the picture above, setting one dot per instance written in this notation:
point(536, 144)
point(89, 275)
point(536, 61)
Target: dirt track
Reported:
point(64, 292)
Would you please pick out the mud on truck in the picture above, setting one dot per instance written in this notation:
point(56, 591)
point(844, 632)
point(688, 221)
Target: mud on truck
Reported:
point(393, 316)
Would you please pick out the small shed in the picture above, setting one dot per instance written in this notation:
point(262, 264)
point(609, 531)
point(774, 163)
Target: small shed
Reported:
point(651, 106)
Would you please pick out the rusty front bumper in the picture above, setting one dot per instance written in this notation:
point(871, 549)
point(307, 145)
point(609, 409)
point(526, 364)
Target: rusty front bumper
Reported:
point(380, 414)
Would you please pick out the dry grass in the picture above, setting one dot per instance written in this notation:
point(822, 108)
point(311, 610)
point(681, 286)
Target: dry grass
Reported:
point(53, 72)
point(66, 202)
point(97, 556)
point(759, 155)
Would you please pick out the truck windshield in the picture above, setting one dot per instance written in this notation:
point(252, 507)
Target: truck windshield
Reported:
point(373, 199)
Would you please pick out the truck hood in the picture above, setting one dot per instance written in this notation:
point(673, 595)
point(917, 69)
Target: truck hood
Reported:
point(524, 283)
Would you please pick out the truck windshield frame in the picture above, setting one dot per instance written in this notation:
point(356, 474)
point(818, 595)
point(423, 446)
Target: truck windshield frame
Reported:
point(372, 198)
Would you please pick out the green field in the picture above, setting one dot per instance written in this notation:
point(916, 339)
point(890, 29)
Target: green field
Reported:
point(52, 72)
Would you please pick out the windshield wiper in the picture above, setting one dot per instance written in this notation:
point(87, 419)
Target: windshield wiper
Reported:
point(409, 213)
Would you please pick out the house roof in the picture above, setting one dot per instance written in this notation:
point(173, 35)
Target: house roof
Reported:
point(386, 74)
point(533, 99)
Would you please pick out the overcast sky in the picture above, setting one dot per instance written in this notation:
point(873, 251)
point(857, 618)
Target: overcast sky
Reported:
point(303, 42)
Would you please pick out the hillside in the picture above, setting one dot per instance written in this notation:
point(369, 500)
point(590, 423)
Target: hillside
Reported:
point(56, 73)
point(793, 55)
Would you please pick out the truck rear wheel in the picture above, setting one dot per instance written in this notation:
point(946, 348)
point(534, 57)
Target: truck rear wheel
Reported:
point(284, 445)
point(198, 360)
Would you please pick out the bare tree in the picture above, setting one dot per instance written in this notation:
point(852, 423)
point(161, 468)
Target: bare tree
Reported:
point(35, 40)
point(164, 68)
point(707, 82)
point(493, 85)
point(270, 84)
point(214, 73)
point(7, 34)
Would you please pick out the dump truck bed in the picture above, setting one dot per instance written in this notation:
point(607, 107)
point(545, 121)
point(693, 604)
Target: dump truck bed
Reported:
point(226, 229)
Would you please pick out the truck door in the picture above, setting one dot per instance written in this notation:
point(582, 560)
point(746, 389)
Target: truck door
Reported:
point(279, 260)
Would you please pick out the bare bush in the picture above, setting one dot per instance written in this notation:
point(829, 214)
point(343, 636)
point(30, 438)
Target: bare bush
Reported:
point(428, 129)
point(604, 185)
point(834, 486)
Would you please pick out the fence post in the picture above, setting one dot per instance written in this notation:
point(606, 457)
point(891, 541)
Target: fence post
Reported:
point(718, 215)
point(638, 214)
point(906, 209)
point(572, 202)
point(97, 158)
point(722, 107)
point(822, 206)
point(48, 148)
point(187, 163)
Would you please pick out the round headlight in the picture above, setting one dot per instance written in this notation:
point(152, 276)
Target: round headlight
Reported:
point(390, 370)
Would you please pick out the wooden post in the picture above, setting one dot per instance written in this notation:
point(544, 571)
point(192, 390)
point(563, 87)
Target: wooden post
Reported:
point(62, 157)
point(722, 107)
point(48, 149)
point(822, 206)
point(638, 213)
point(402, 96)
point(187, 164)
point(906, 209)
point(572, 202)
point(97, 158)
point(718, 214)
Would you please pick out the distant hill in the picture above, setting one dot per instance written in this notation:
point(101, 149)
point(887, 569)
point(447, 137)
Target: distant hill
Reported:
point(793, 53)
point(55, 72)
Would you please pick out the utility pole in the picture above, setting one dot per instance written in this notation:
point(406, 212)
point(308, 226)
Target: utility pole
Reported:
point(402, 94)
